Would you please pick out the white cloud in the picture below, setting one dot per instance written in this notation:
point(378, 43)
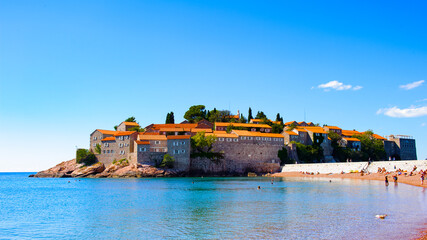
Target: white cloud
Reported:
point(412, 85)
point(422, 100)
point(403, 113)
point(339, 86)
point(423, 124)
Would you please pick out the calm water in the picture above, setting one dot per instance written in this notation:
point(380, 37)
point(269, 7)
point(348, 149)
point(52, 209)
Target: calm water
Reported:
point(211, 208)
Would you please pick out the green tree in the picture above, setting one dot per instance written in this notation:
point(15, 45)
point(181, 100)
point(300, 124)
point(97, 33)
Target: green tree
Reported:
point(260, 115)
point(250, 115)
point(98, 148)
point(283, 156)
point(277, 128)
point(372, 148)
point(229, 128)
point(201, 146)
point(137, 129)
point(170, 118)
point(195, 113)
point(115, 127)
point(85, 156)
point(167, 162)
point(309, 153)
point(278, 118)
point(130, 119)
point(242, 119)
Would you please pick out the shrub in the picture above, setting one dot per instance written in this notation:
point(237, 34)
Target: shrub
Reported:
point(98, 148)
point(85, 156)
point(167, 162)
point(121, 161)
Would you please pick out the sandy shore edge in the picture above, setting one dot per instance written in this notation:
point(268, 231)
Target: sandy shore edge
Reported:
point(411, 180)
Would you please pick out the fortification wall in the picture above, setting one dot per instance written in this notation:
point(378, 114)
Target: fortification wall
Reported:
point(354, 166)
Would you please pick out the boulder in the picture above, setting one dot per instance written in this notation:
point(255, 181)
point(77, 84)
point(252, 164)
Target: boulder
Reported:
point(64, 169)
point(86, 171)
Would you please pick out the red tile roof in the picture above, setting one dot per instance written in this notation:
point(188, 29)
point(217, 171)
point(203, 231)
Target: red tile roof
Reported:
point(178, 137)
point(108, 132)
point(123, 133)
point(130, 123)
point(142, 142)
point(351, 139)
point(248, 125)
point(109, 139)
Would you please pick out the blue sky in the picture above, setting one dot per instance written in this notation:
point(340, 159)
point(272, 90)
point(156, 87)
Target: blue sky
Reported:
point(69, 67)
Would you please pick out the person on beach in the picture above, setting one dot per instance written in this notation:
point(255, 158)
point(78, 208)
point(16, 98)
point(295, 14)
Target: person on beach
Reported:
point(395, 178)
point(422, 178)
point(386, 180)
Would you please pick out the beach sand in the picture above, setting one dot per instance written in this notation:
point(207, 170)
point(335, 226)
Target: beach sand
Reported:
point(411, 180)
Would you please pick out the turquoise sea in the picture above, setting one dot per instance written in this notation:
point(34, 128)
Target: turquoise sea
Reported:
point(209, 208)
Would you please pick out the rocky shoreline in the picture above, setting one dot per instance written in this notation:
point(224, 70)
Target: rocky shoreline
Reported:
point(71, 169)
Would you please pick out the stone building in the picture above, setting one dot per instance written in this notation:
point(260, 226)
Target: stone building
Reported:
point(290, 136)
point(179, 148)
point(401, 147)
point(334, 129)
point(117, 147)
point(244, 151)
point(222, 126)
point(127, 126)
point(352, 143)
point(96, 137)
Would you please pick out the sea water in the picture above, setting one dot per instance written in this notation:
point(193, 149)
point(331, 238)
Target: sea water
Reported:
point(207, 208)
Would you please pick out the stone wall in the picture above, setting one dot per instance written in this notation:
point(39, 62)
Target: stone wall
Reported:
point(354, 166)
point(242, 156)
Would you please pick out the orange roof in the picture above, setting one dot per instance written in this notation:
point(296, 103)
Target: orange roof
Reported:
point(291, 133)
point(142, 142)
point(123, 133)
point(130, 123)
point(172, 125)
point(109, 139)
point(152, 137)
point(310, 123)
point(289, 123)
point(171, 130)
point(178, 137)
point(249, 125)
point(378, 137)
point(256, 134)
point(313, 129)
point(109, 132)
point(233, 116)
point(350, 132)
point(207, 130)
point(222, 134)
point(351, 139)
point(333, 127)
point(302, 122)
point(277, 122)
point(300, 129)
point(149, 133)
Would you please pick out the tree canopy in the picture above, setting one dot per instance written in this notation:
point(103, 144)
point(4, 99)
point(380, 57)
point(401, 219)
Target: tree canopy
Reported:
point(372, 148)
point(170, 118)
point(195, 113)
point(250, 114)
point(130, 119)
point(260, 115)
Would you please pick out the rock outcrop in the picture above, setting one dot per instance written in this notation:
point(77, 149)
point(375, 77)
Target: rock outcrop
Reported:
point(119, 170)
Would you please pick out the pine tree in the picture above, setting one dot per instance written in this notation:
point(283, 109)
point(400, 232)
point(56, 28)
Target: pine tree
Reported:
point(250, 115)
point(171, 118)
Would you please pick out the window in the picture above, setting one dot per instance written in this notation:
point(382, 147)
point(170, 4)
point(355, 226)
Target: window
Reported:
point(221, 139)
point(182, 143)
point(250, 138)
point(176, 151)
point(94, 138)
point(156, 142)
point(94, 144)
point(183, 151)
point(236, 140)
point(108, 151)
point(126, 144)
point(257, 138)
point(112, 151)
point(104, 151)
point(126, 137)
point(229, 139)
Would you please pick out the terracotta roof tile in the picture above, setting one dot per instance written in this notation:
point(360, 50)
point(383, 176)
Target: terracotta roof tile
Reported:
point(257, 134)
point(152, 137)
point(130, 123)
point(109, 139)
point(351, 139)
point(108, 132)
point(178, 137)
point(123, 133)
point(142, 142)
point(291, 133)
point(206, 130)
point(248, 125)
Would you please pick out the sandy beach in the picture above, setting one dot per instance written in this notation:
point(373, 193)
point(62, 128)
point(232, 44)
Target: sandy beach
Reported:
point(411, 180)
